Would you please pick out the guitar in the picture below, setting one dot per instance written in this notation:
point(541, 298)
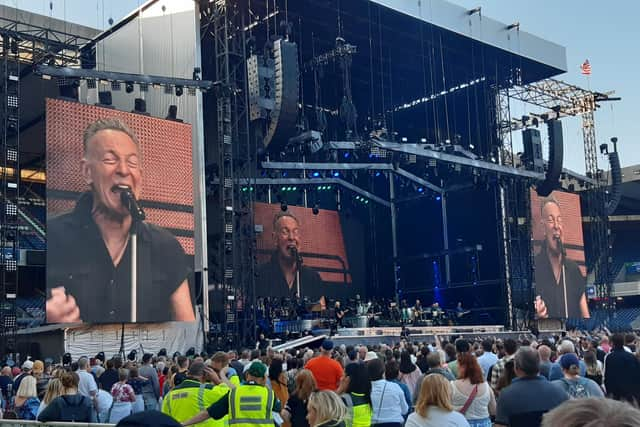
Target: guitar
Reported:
point(341, 313)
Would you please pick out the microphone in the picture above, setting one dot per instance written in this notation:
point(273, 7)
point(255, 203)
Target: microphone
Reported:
point(294, 253)
point(129, 201)
point(561, 246)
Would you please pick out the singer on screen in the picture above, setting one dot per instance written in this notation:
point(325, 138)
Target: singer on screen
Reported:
point(560, 286)
point(89, 250)
point(285, 275)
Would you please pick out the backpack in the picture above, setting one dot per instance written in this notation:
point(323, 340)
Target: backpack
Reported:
point(75, 410)
point(576, 389)
point(29, 411)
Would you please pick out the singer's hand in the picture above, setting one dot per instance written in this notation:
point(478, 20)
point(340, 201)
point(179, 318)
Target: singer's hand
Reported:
point(61, 307)
point(541, 308)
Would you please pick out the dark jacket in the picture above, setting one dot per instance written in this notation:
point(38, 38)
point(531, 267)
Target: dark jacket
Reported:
point(75, 407)
point(622, 375)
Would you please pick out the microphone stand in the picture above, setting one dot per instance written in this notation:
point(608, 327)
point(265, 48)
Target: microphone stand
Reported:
point(563, 253)
point(298, 267)
point(137, 215)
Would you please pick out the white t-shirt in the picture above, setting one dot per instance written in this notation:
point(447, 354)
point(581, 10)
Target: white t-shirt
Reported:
point(87, 385)
point(437, 417)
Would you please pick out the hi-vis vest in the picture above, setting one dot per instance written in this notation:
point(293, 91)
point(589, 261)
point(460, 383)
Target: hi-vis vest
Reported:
point(360, 408)
point(251, 405)
point(190, 398)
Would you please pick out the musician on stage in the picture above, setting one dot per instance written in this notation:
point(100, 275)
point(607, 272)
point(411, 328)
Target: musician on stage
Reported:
point(339, 314)
point(417, 311)
point(285, 274)
point(89, 248)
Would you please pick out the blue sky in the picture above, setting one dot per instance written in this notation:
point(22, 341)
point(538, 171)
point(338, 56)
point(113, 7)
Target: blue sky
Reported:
point(606, 33)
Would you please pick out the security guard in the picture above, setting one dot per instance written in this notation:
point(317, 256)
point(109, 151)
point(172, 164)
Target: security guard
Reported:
point(251, 404)
point(195, 394)
point(360, 408)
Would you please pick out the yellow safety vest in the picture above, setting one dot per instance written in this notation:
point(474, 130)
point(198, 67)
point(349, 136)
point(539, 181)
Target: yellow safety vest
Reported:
point(360, 408)
point(251, 405)
point(190, 398)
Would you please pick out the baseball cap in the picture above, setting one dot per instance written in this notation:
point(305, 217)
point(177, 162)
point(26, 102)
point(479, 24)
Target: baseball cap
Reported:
point(327, 345)
point(27, 365)
point(569, 359)
point(371, 355)
point(257, 369)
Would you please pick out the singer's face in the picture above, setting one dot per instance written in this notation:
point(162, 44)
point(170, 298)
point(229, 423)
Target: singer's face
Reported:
point(112, 159)
point(552, 222)
point(287, 236)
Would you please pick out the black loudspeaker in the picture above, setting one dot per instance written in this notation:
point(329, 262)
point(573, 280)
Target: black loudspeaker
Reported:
point(554, 166)
point(615, 193)
point(532, 150)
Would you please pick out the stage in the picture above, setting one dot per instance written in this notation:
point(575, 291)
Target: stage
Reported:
point(391, 335)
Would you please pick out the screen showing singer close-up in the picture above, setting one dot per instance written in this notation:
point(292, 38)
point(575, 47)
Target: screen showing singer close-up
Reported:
point(119, 241)
point(560, 272)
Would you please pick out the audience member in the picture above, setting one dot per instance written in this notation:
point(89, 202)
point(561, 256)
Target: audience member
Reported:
point(433, 406)
point(387, 399)
point(472, 396)
point(325, 370)
point(621, 372)
point(530, 395)
point(326, 409)
point(592, 412)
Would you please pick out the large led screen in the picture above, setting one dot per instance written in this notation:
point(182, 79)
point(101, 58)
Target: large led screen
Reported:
point(105, 168)
point(301, 254)
point(560, 272)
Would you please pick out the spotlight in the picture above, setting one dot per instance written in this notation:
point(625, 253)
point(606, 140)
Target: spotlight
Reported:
point(423, 140)
point(179, 90)
point(315, 209)
point(140, 106)
point(420, 190)
point(404, 139)
point(104, 98)
point(128, 87)
point(283, 206)
point(378, 173)
point(172, 114)
point(346, 155)
point(336, 174)
point(438, 198)
point(315, 174)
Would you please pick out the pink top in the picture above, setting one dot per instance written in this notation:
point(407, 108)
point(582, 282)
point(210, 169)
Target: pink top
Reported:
point(122, 393)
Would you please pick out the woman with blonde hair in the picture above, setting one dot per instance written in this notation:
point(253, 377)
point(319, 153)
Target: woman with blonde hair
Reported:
point(295, 411)
point(326, 409)
point(26, 402)
point(54, 389)
point(433, 407)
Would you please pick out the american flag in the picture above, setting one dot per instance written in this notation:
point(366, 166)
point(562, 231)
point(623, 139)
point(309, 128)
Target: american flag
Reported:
point(586, 68)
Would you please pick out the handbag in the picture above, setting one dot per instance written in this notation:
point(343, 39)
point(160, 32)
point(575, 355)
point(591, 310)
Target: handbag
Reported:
point(469, 400)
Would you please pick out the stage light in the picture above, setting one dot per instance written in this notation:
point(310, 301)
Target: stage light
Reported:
point(404, 139)
point(423, 140)
point(420, 190)
point(179, 90)
point(346, 154)
point(104, 97)
point(140, 106)
point(438, 198)
point(336, 174)
point(284, 174)
point(283, 206)
point(172, 114)
point(128, 87)
point(378, 173)
point(315, 174)
point(315, 209)
point(471, 146)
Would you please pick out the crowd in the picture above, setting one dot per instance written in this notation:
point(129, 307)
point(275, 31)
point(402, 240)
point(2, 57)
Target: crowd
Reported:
point(569, 380)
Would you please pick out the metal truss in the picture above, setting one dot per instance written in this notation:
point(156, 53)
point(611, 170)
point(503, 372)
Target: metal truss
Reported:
point(563, 99)
point(33, 44)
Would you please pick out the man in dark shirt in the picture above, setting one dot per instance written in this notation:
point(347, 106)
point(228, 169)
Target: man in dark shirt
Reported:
point(5, 379)
point(285, 275)
point(621, 372)
point(560, 286)
point(89, 250)
point(530, 395)
point(110, 376)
